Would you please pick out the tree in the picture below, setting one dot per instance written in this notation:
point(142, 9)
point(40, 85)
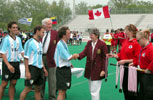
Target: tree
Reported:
point(120, 3)
point(131, 6)
point(81, 8)
point(96, 6)
point(141, 7)
point(37, 9)
point(7, 12)
point(61, 10)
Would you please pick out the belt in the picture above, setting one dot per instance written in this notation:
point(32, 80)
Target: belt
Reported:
point(64, 67)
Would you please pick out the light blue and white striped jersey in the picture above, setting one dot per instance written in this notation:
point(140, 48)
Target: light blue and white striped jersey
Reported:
point(33, 52)
point(11, 48)
point(62, 54)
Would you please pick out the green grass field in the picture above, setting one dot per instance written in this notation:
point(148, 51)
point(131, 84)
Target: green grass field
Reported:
point(79, 89)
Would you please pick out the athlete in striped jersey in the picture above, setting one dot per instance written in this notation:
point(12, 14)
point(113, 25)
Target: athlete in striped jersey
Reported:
point(10, 50)
point(33, 52)
point(62, 58)
point(33, 64)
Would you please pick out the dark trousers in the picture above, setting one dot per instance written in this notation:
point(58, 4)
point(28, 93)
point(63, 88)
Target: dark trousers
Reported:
point(127, 95)
point(146, 87)
point(108, 48)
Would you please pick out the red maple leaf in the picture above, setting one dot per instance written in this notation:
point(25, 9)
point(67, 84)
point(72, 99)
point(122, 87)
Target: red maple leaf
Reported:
point(98, 13)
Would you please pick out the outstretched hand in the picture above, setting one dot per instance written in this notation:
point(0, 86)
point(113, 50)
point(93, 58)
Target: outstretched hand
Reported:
point(110, 55)
point(75, 56)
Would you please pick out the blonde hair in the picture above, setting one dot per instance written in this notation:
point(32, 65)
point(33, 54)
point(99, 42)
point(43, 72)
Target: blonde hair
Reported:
point(144, 34)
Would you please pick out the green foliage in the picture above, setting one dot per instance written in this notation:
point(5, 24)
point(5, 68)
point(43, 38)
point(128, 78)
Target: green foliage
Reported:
point(96, 6)
point(81, 8)
point(119, 7)
point(120, 3)
point(131, 6)
point(37, 9)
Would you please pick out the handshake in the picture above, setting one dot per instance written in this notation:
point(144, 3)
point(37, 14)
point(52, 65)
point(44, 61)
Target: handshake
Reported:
point(74, 56)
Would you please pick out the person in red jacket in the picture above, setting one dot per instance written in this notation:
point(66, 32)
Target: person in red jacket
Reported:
point(128, 53)
point(118, 38)
point(145, 62)
point(152, 37)
point(122, 35)
point(114, 41)
point(95, 51)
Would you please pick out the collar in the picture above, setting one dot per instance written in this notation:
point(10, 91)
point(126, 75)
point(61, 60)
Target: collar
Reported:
point(47, 31)
point(148, 45)
point(36, 40)
point(133, 40)
point(12, 37)
point(64, 41)
point(94, 43)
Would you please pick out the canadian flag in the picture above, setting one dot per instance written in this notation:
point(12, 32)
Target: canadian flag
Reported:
point(99, 13)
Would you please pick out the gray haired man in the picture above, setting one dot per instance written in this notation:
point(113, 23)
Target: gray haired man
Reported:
point(49, 42)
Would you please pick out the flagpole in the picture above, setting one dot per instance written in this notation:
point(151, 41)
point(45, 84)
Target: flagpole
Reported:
point(111, 22)
point(110, 18)
point(73, 11)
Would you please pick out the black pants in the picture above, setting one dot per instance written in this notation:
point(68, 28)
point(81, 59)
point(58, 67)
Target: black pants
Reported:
point(7, 75)
point(146, 87)
point(128, 95)
point(63, 78)
point(108, 48)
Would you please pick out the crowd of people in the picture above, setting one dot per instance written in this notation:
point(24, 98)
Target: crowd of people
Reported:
point(75, 38)
point(46, 55)
point(115, 38)
point(24, 35)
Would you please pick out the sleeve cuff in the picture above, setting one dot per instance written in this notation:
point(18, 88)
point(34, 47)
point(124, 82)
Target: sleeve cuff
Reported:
point(135, 63)
point(118, 55)
point(26, 57)
point(150, 69)
point(2, 52)
point(22, 51)
point(79, 57)
point(69, 57)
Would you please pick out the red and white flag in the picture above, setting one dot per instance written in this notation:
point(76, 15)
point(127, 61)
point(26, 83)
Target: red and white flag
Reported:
point(99, 13)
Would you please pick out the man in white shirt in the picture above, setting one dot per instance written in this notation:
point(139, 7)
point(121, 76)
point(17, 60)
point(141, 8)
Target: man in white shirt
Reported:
point(49, 42)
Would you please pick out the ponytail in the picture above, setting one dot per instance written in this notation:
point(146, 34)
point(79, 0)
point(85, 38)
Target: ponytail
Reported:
point(144, 34)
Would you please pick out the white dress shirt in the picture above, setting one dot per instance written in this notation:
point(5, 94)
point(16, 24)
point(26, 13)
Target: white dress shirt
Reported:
point(46, 45)
point(93, 46)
